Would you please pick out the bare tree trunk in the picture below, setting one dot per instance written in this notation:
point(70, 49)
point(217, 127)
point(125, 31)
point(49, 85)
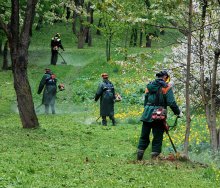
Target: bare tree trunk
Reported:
point(81, 34)
point(39, 23)
point(107, 50)
point(23, 91)
point(188, 120)
point(74, 22)
point(88, 32)
point(68, 12)
point(214, 139)
point(133, 39)
point(19, 43)
point(141, 38)
point(125, 45)
point(148, 41)
point(218, 138)
point(5, 56)
point(98, 32)
point(201, 56)
point(1, 43)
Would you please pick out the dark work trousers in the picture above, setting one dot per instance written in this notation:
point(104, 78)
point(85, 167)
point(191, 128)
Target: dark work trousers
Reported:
point(157, 130)
point(104, 121)
point(52, 108)
point(54, 57)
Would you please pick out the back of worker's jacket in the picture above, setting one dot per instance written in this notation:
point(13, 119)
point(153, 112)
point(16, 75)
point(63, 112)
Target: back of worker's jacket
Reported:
point(158, 94)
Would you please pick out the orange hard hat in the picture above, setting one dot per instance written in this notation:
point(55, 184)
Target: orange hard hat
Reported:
point(104, 75)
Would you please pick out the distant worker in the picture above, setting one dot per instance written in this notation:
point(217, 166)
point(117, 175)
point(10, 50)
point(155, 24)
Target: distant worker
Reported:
point(49, 84)
point(158, 94)
point(55, 45)
point(106, 93)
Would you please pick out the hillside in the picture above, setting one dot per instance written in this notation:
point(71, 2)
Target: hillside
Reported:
point(71, 149)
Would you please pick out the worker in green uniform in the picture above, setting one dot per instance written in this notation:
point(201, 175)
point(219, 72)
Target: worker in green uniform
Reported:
point(55, 44)
point(49, 84)
point(106, 93)
point(158, 94)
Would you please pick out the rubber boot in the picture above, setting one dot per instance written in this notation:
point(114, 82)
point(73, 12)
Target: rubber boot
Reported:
point(113, 122)
point(154, 155)
point(104, 121)
point(140, 154)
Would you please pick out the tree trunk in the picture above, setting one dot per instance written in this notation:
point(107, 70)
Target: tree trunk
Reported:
point(5, 56)
point(108, 48)
point(218, 137)
point(148, 41)
point(141, 38)
point(201, 56)
point(135, 36)
point(133, 39)
point(39, 23)
point(214, 139)
point(19, 39)
point(88, 32)
point(68, 12)
point(81, 34)
point(74, 22)
point(188, 120)
point(1, 43)
point(23, 90)
point(98, 32)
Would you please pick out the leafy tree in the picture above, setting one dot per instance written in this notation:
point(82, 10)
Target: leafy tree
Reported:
point(204, 67)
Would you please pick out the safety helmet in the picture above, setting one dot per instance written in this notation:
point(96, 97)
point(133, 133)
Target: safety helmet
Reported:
point(47, 70)
point(104, 75)
point(57, 35)
point(162, 73)
point(61, 87)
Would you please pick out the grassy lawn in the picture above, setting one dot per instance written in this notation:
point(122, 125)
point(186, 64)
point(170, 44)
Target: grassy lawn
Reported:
point(65, 153)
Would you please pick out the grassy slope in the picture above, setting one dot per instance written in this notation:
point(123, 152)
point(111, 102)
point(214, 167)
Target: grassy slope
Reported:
point(65, 154)
point(70, 150)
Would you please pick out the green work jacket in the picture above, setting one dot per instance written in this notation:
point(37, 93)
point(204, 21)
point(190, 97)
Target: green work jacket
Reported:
point(106, 93)
point(166, 98)
point(50, 89)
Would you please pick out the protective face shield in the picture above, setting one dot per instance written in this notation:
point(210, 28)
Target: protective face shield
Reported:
point(168, 79)
point(57, 35)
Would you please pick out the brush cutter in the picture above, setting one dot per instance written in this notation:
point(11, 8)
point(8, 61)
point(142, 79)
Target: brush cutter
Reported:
point(167, 128)
point(97, 118)
point(64, 61)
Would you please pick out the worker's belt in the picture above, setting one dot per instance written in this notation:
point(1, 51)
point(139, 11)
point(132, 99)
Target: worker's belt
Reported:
point(152, 104)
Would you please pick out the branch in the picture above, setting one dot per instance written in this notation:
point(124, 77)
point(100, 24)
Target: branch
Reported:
point(4, 27)
point(28, 21)
point(14, 25)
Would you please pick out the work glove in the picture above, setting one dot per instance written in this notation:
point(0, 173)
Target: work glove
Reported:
point(167, 127)
point(180, 115)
